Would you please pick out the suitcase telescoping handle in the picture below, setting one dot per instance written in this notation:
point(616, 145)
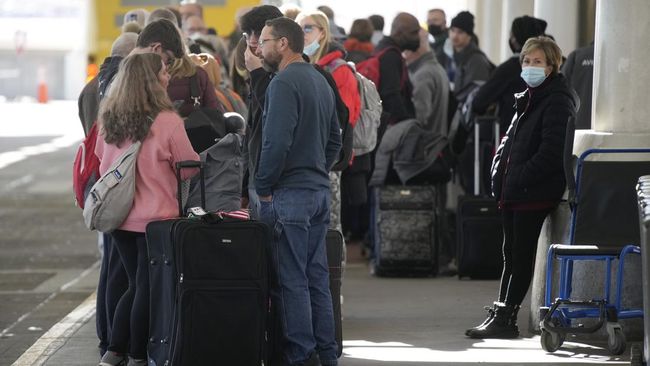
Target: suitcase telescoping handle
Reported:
point(189, 164)
point(477, 128)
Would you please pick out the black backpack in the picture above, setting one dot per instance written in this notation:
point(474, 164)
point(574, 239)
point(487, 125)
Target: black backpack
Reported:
point(347, 135)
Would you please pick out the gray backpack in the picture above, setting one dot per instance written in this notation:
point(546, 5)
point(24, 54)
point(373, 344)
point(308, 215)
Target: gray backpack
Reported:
point(110, 199)
point(224, 174)
point(365, 130)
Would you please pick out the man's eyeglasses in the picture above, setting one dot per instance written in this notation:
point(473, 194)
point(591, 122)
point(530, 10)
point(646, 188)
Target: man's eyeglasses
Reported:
point(308, 28)
point(262, 42)
point(170, 58)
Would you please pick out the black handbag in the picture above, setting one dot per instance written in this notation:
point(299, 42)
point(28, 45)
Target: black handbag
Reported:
point(204, 125)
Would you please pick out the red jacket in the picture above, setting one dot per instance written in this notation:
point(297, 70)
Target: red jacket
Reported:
point(346, 83)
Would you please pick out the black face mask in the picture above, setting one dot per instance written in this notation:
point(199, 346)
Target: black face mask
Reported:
point(514, 46)
point(436, 30)
point(411, 45)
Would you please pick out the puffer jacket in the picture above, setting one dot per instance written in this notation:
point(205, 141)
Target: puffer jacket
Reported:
point(528, 165)
point(345, 80)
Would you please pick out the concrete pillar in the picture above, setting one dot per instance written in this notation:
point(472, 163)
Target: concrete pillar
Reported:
point(621, 87)
point(620, 116)
point(488, 25)
point(562, 19)
point(512, 9)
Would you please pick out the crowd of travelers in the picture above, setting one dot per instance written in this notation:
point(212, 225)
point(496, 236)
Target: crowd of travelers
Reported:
point(302, 85)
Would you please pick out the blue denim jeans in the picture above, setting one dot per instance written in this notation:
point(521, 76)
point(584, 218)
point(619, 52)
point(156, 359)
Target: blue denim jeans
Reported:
point(299, 218)
point(253, 204)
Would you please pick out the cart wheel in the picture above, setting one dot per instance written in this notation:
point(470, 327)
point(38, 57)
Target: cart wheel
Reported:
point(636, 356)
point(551, 341)
point(616, 342)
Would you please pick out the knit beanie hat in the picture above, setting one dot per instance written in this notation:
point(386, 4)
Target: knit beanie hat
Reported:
point(527, 27)
point(465, 21)
point(137, 15)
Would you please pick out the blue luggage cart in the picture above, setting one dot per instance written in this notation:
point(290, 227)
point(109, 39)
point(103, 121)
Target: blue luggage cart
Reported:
point(603, 228)
point(639, 356)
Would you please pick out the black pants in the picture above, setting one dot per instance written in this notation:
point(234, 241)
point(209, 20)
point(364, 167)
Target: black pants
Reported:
point(131, 323)
point(520, 230)
point(112, 284)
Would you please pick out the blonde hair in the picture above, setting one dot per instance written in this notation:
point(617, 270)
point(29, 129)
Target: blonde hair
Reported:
point(182, 67)
point(134, 99)
point(237, 60)
point(324, 24)
point(552, 52)
point(210, 65)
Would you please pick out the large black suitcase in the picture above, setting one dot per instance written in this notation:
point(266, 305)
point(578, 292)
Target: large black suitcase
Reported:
point(479, 224)
point(335, 242)
point(208, 291)
point(403, 230)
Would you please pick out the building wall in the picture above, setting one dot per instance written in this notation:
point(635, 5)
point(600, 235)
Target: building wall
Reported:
point(109, 14)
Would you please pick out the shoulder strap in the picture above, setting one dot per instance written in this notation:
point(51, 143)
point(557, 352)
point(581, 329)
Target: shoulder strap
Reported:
point(335, 64)
point(195, 94)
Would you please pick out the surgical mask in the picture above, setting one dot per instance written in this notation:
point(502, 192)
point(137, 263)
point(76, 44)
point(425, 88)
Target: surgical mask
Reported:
point(533, 76)
point(311, 48)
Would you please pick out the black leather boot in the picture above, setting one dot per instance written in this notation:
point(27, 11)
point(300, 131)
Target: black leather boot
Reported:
point(490, 311)
point(503, 324)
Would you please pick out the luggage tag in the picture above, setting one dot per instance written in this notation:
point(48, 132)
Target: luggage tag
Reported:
point(196, 213)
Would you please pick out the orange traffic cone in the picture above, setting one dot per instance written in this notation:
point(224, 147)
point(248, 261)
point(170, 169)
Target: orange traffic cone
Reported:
point(42, 86)
point(42, 92)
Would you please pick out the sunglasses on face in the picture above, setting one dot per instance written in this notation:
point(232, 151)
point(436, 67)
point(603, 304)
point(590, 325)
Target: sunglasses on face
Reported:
point(308, 28)
point(247, 37)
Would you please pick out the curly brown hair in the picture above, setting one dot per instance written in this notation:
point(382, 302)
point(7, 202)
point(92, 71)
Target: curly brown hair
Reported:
point(134, 99)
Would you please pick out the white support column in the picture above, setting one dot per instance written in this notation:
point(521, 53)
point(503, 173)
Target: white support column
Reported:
point(488, 28)
point(562, 19)
point(620, 119)
point(512, 9)
point(621, 78)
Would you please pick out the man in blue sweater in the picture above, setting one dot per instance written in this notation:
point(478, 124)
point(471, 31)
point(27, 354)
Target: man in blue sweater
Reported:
point(300, 142)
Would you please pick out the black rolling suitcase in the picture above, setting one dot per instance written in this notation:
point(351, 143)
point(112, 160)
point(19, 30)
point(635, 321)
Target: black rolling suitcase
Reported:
point(479, 224)
point(403, 224)
point(334, 242)
point(208, 290)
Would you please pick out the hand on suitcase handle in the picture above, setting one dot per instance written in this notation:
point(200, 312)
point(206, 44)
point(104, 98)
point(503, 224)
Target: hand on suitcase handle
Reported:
point(184, 165)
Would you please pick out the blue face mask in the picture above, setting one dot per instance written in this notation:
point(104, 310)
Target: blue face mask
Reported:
point(533, 76)
point(311, 48)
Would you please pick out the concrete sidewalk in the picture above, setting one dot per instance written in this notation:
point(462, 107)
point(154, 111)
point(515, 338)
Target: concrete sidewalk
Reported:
point(387, 321)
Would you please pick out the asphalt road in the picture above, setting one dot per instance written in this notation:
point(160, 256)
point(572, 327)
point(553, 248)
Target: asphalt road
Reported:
point(48, 259)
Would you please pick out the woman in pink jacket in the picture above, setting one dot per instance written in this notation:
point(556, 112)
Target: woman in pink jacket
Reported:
point(137, 108)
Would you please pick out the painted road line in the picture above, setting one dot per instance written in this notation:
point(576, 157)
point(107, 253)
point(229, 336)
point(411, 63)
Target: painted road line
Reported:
point(5, 332)
point(11, 157)
point(57, 336)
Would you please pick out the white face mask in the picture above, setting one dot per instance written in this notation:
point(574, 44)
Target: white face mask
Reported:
point(311, 49)
point(533, 76)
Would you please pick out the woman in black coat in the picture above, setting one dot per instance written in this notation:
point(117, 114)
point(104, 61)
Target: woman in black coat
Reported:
point(528, 177)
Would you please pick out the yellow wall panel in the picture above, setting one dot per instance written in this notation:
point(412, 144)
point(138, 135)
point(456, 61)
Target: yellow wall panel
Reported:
point(222, 18)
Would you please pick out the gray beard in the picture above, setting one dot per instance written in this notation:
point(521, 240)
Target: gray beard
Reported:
point(270, 67)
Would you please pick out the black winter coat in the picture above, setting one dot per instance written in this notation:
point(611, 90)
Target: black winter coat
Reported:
point(501, 87)
point(528, 165)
